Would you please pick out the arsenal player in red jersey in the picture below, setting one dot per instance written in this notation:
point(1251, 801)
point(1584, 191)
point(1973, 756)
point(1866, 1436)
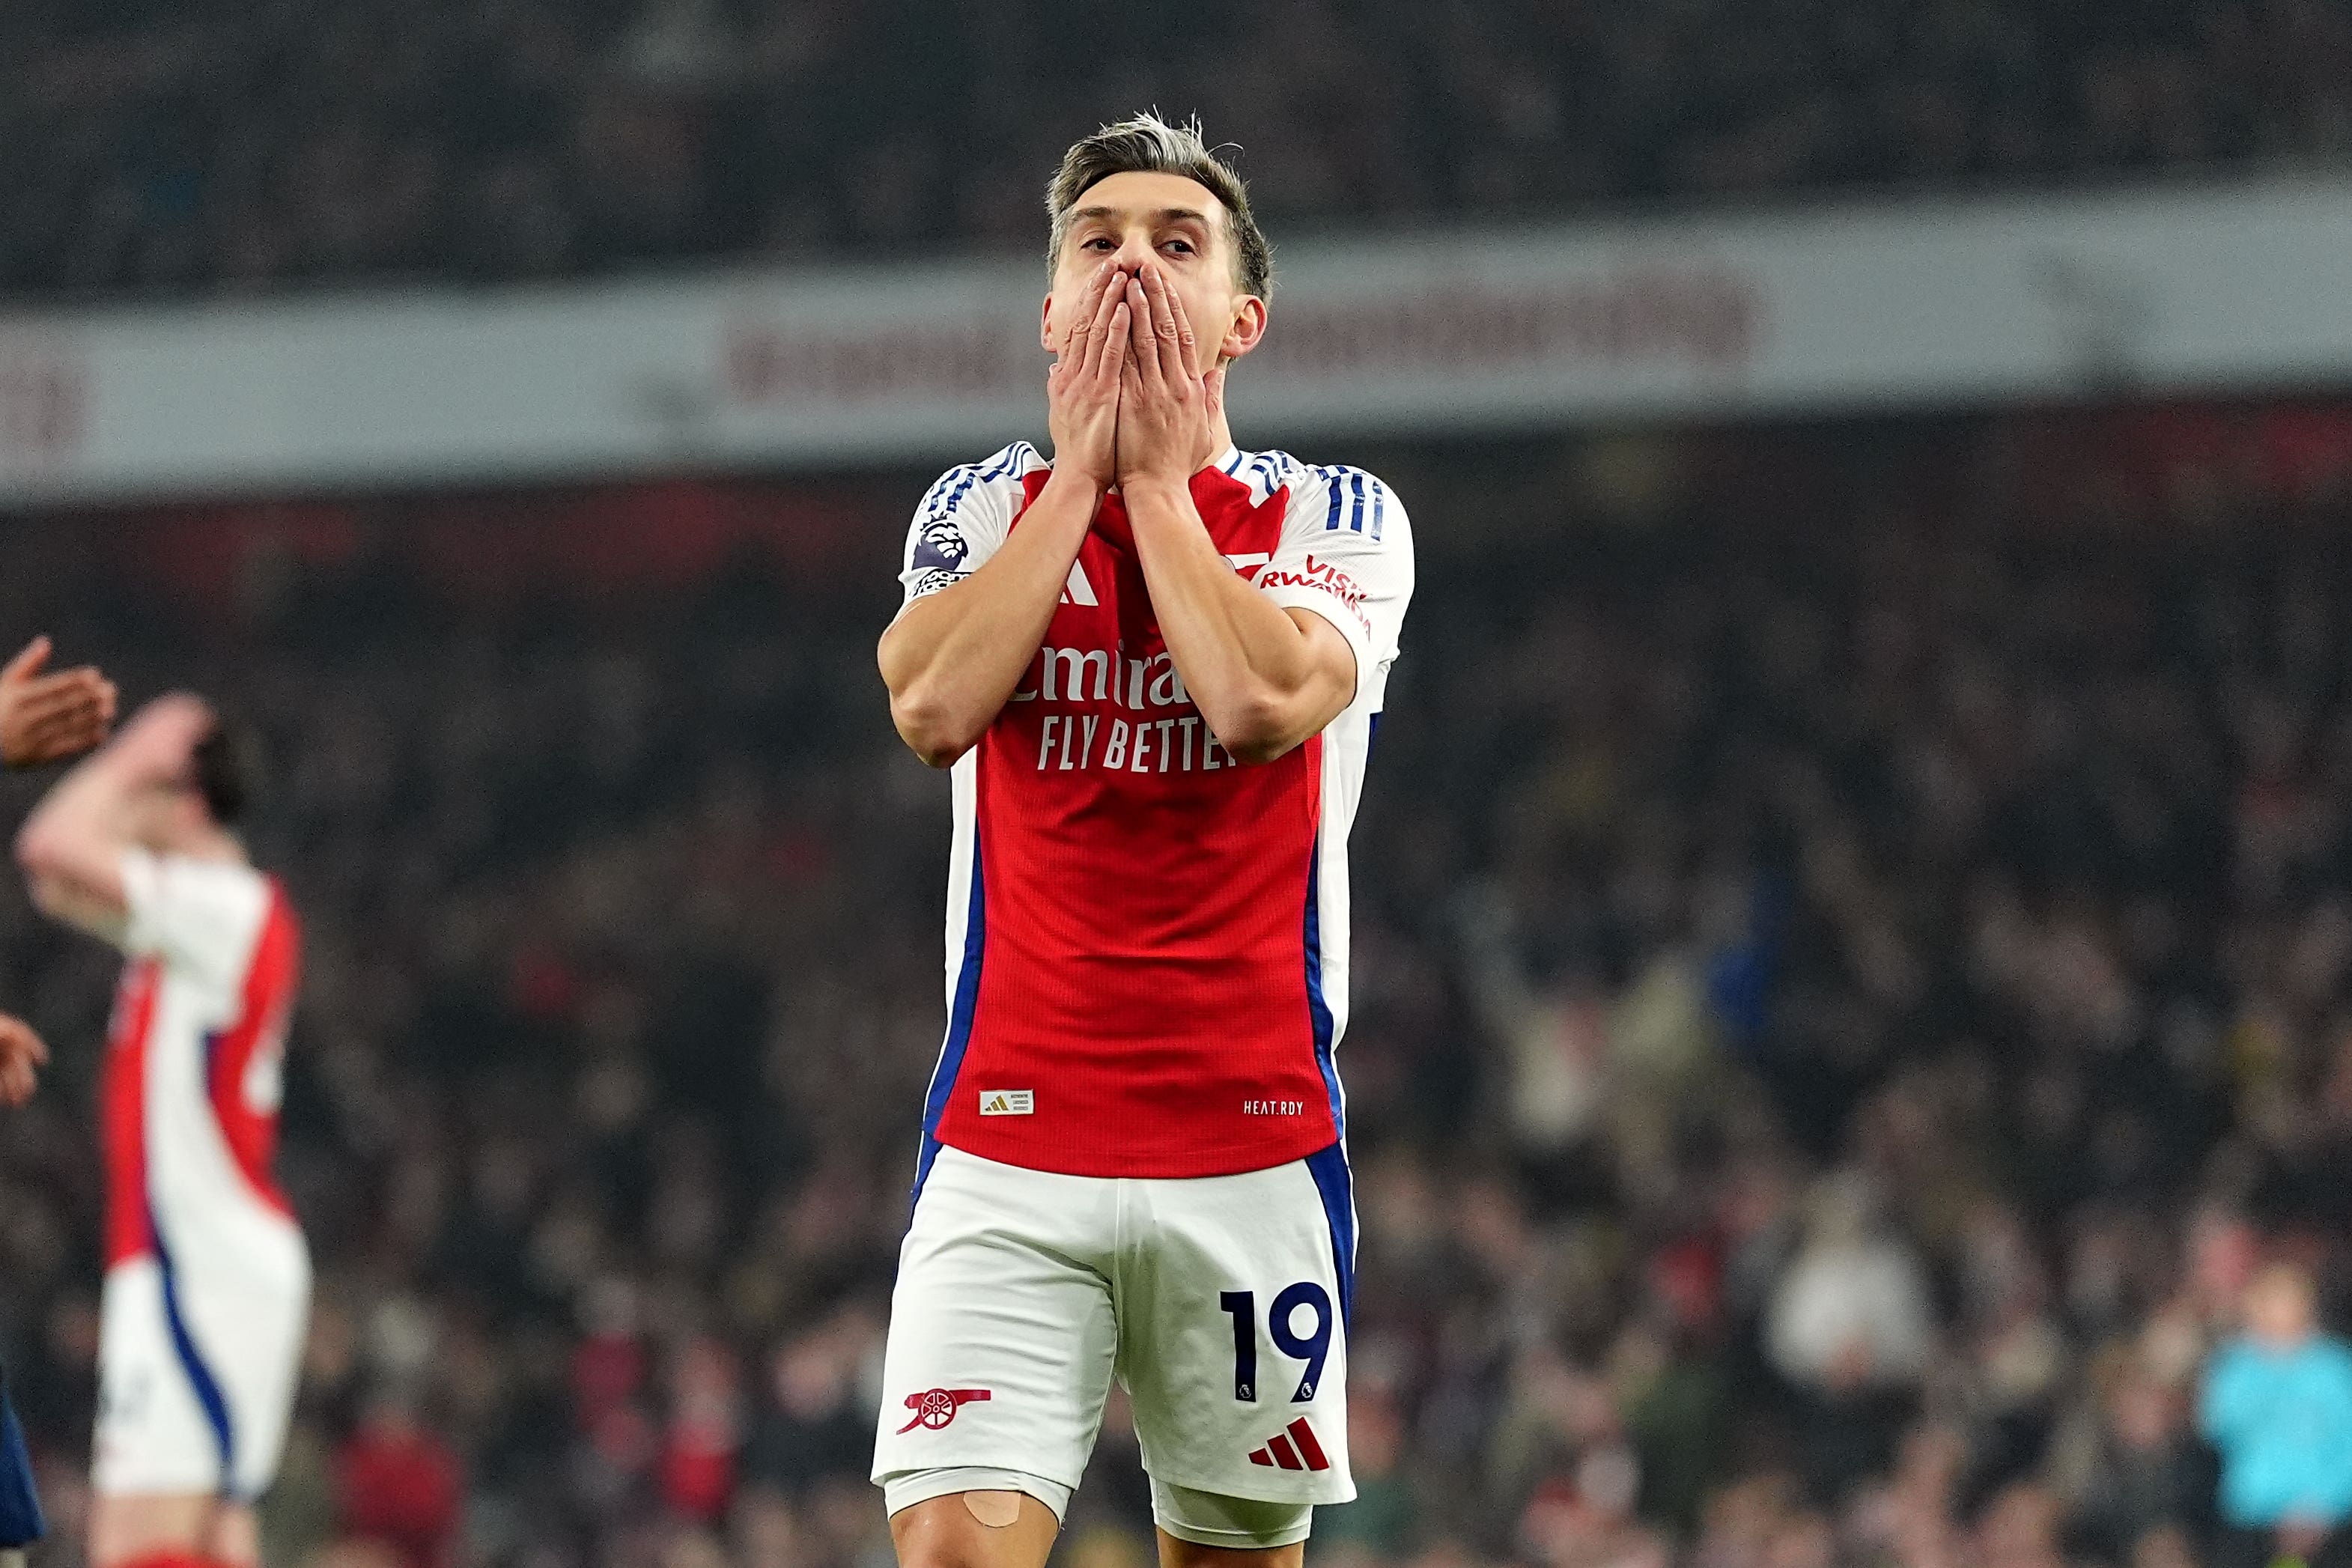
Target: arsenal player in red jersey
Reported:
point(1154, 666)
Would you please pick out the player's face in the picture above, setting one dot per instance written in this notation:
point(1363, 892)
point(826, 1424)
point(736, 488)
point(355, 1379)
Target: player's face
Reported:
point(1175, 222)
point(169, 818)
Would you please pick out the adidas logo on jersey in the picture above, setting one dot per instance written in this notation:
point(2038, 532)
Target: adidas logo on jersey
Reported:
point(1008, 1102)
point(1293, 1448)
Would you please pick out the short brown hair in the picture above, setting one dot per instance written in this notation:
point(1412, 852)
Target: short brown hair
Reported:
point(1147, 144)
point(228, 768)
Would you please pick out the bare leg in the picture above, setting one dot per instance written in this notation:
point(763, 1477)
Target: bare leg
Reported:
point(972, 1529)
point(235, 1539)
point(125, 1528)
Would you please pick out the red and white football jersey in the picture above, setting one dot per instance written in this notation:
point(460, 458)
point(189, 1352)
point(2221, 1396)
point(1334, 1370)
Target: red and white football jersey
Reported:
point(194, 1057)
point(1147, 941)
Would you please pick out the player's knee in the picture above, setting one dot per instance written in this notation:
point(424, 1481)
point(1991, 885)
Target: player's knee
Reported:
point(976, 1529)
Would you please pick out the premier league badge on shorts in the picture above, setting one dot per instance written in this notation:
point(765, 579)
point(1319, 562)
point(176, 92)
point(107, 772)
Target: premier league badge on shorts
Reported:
point(936, 1407)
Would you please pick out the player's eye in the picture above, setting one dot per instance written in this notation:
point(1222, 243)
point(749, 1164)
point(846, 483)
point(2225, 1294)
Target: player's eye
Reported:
point(1181, 247)
point(1098, 241)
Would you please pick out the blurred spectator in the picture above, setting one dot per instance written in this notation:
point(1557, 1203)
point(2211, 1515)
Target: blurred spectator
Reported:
point(815, 1424)
point(2148, 1474)
point(1851, 1326)
point(2277, 1402)
point(400, 1486)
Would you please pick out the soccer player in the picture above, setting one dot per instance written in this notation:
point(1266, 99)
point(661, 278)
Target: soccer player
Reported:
point(207, 1282)
point(1154, 665)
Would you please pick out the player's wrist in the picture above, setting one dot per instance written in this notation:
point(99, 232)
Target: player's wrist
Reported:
point(1072, 476)
point(1155, 490)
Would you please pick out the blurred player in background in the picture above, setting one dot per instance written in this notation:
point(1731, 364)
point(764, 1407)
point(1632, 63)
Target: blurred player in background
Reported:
point(208, 1281)
point(1155, 665)
point(44, 718)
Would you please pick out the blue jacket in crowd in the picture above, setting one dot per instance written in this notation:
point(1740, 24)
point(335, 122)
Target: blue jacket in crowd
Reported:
point(2283, 1422)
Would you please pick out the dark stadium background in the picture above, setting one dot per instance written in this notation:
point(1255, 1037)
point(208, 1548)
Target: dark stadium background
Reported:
point(1892, 853)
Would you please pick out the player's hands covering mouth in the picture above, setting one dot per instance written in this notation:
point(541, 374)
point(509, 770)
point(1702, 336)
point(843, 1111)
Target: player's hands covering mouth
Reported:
point(1082, 390)
point(1168, 407)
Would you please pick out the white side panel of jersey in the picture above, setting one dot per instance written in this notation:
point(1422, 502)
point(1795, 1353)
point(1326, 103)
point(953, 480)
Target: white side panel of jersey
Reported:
point(963, 854)
point(1346, 744)
point(207, 1216)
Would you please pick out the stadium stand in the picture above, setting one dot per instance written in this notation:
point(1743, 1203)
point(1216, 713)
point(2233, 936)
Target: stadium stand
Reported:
point(224, 147)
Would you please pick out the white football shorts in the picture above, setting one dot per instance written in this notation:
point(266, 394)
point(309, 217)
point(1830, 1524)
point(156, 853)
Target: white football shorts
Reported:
point(198, 1363)
point(1219, 1303)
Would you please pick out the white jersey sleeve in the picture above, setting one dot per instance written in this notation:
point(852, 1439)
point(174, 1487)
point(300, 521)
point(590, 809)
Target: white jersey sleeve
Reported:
point(962, 518)
point(202, 918)
point(1346, 554)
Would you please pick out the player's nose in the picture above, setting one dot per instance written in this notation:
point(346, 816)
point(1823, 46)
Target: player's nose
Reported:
point(1133, 252)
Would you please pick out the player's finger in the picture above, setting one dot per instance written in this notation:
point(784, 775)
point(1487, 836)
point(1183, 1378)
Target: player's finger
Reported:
point(1174, 333)
point(66, 735)
point(1167, 327)
point(1146, 350)
point(66, 693)
point(21, 1050)
point(29, 658)
point(1074, 326)
point(1188, 358)
point(1107, 302)
point(1114, 335)
point(1084, 318)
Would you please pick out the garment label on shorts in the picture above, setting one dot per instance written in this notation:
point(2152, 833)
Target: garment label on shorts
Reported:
point(1008, 1102)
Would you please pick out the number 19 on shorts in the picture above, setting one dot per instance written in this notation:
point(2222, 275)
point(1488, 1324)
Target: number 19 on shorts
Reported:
point(1311, 1349)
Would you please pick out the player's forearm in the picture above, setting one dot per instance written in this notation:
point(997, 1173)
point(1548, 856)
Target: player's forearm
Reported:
point(71, 845)
point(953, 658)
point(1244, 662)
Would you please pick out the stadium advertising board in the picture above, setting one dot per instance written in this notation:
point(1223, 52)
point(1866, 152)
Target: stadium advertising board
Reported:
point(1825, 311)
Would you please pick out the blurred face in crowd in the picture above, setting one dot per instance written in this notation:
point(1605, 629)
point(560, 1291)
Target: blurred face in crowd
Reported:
point(2142, 1413)
point(1175, 222)
point(2280, 1308)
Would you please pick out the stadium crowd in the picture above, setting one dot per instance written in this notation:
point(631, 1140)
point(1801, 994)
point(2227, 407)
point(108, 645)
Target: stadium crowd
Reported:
point(1853, 959)
point(224, 145)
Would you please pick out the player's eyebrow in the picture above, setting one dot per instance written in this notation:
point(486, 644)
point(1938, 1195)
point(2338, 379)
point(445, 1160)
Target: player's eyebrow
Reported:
point(1165, 214)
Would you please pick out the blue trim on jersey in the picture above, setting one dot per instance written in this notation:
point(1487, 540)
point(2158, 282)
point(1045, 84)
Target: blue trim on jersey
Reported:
point(206, 1387)
point(21, 1523)
point(1338, 494)
point(1268, 469)
point(1379, 505)
point(1336, 1182)
point(1003, 464)
point(967, 995)
point(1318, 1012)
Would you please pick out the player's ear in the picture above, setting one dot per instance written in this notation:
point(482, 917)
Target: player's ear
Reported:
point(1045, 324)
point(1248, 326)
